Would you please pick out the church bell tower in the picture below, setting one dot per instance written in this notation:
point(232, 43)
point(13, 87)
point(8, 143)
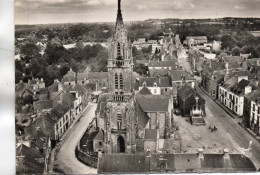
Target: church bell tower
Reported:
point(120, 61)
point(119, 120)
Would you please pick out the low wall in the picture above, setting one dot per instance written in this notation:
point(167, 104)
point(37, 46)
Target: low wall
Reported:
point(86, 159)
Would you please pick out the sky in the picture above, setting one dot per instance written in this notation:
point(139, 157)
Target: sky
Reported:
point(74, 11)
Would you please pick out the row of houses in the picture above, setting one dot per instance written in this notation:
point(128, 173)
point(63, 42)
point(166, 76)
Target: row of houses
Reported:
point(234, 81)
point(54, 109)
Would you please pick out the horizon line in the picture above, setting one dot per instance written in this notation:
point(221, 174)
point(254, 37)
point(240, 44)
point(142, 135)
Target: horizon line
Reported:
point(135, 20)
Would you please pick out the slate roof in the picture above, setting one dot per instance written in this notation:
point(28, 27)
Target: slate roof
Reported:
point(92, 75)
point(99, 136)
point(151, 104)
point(254, 95)
point(160, 81)
point(230, 59)
point(197, 37)
point(239, 88)
point(42, 104)
point(230, 82)
point(58, 112)
point(145, 91)
point(176, 75)
point(150, 134)
point(155, 63)
point(158, 72)
point(32, 160)
point(191, 162)
point(121, 163)
point(185, 92)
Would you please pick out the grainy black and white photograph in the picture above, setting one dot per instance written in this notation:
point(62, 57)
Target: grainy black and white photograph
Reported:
point(137, 86)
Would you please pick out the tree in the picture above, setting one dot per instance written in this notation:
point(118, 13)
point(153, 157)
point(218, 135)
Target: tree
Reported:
point(29, 51)
point(248, 50)
point(236, 51)
point(227, 42)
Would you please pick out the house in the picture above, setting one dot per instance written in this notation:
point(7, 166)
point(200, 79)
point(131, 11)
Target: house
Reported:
point(174, 163)
point(251, 111)
point(195, 40)
point(232, 59)
point(233, 91)
point(23, 90)
point(29, 160)
point(186, 99)
point(180, 77)
point(100, 79)
point(157, 85)
point(170, 65)
point(212, 75)
point(36, 84)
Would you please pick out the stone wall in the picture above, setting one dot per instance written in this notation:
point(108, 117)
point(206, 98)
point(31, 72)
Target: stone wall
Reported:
point(87, 159)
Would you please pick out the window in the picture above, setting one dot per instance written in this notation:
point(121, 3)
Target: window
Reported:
point(121, 82)
point(100, 143)
point(225, 94)
point(116, 81)
point(253, 107)
point(119, 121)
point(155, 91)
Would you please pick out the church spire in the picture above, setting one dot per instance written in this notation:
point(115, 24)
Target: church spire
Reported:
point(119, 13)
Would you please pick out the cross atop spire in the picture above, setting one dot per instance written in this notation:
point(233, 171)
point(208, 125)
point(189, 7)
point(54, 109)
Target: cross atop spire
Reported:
point(119, 13)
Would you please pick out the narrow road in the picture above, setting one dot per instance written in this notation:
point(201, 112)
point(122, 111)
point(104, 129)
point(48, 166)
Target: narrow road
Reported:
point(66, 158)
point(238, 134)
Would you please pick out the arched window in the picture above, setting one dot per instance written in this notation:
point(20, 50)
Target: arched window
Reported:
point(116, 81)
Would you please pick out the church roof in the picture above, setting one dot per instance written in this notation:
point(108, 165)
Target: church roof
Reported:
point(149, 104)
point(145, 91)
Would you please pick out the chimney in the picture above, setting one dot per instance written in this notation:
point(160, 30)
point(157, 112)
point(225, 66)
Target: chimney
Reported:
point(21, 81)
point(226, 155)
point(248, 89)
point(258, 62)
point(60, 87)
point(42, 79)
point(70, 69)
point(201, 155)
point(56, 81)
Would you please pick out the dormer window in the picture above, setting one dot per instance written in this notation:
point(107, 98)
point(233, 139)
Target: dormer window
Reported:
point(144, 84)
point(155, 84)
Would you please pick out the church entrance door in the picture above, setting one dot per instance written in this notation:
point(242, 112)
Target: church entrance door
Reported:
point(120, 145)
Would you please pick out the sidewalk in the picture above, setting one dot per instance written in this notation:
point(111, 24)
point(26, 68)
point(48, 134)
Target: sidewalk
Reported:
point(53, 151)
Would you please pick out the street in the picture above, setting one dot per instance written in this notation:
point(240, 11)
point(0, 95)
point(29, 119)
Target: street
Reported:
point(230, 125)
point(66, 159)
point(238, 134)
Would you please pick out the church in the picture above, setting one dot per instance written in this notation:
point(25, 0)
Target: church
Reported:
point(122, 119)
